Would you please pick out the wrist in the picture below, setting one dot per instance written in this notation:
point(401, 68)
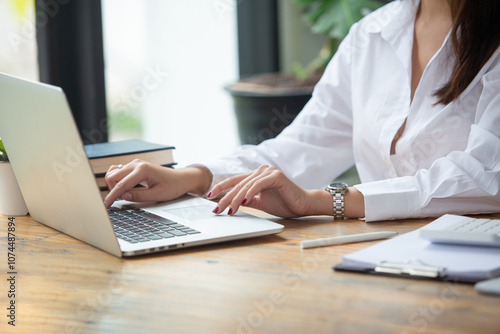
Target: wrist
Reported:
point(322, 203)
point(198, 180)
point(354, 203)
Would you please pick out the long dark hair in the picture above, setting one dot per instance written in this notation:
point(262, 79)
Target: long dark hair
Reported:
point(475, 37)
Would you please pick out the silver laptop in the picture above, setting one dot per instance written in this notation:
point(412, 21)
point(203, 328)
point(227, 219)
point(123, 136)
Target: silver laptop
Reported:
point(60, 190)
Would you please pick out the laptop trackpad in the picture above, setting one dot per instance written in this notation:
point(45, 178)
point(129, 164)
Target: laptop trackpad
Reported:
point(193, 212)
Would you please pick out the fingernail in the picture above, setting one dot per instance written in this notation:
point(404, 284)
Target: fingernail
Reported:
point(216, 210)
point(244, 201)
point(209, 194)
point(230, 212)
point(127, 196)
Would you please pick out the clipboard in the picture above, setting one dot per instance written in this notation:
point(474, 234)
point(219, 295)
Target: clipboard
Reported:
point(411, 256)
point(406, 270)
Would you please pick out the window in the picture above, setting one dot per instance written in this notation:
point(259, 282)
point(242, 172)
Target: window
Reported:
point(166, 64)
point(18, 52)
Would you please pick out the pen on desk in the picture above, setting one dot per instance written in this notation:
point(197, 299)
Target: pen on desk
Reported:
point(346, 239)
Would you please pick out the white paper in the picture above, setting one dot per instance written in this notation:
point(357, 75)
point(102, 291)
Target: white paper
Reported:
point(466, 262)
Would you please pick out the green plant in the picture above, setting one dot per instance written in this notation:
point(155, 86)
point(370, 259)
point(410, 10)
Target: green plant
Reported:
point(332, 18)
point(3, 154)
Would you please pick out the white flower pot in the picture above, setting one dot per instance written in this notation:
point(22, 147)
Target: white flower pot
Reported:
point(11, 199)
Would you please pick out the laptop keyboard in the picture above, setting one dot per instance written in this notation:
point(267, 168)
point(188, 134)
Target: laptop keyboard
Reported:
point(136, 225)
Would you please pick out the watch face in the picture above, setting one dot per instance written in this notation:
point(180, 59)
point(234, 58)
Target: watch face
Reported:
point(338, 185)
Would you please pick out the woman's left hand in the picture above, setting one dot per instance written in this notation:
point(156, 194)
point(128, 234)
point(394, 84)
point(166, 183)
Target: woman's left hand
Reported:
point(266, 189)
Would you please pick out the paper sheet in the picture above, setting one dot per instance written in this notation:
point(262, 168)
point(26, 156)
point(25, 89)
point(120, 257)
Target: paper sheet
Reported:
point(469, 262)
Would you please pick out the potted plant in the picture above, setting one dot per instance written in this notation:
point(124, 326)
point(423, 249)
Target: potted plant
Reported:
point(11, 200)
point(266, 103)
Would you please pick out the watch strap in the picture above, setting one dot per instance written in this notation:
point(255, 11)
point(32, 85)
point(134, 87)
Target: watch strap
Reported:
point(338, 206)
point(338, 191)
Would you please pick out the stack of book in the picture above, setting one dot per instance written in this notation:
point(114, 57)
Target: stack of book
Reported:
point(103, 155)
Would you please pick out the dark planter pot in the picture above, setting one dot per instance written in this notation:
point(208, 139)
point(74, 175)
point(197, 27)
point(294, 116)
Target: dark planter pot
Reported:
point(263, 115)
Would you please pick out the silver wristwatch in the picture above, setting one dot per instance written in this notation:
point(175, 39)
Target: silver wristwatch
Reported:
point(337, 190)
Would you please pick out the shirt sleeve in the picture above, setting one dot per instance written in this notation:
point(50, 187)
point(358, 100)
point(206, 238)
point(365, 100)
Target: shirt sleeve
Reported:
point(317, 146)
point(463, 182)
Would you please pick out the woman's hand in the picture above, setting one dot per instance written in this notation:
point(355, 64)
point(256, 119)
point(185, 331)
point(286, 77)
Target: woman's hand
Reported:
point(160, 183)
point(266, 189)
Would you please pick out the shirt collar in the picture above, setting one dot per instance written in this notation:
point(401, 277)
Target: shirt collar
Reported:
point(395, 23)
point(392, 18)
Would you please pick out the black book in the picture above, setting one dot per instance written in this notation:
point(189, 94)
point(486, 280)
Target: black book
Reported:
point(103, 155)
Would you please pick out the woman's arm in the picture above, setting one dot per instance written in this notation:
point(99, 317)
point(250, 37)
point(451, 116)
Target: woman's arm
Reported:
point(317, 146)
point(161, 184)
point(312, 151)
point(269, 190)
point(462, 182)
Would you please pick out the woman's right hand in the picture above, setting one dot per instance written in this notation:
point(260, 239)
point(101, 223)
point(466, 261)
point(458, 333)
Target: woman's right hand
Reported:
point(160, 183)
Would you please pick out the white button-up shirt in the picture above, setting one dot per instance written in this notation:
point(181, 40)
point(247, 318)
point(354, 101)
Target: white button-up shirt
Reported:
point(448, 158)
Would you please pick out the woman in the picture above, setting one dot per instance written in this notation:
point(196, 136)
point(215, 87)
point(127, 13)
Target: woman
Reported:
point(411, 97)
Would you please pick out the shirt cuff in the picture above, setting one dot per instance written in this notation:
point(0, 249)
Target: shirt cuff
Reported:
point(209, 173)
point(390, 199)
point(220, 170)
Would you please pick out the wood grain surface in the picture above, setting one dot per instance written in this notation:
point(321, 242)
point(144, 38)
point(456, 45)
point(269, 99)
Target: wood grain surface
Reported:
point(260, 285)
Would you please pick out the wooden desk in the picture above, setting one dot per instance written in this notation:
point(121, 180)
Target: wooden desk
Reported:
point(261, 285)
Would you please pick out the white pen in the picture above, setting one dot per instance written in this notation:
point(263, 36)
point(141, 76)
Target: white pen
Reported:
point(346, 239)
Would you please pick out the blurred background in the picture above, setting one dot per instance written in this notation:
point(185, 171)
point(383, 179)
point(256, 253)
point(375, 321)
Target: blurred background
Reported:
point(165, 63)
